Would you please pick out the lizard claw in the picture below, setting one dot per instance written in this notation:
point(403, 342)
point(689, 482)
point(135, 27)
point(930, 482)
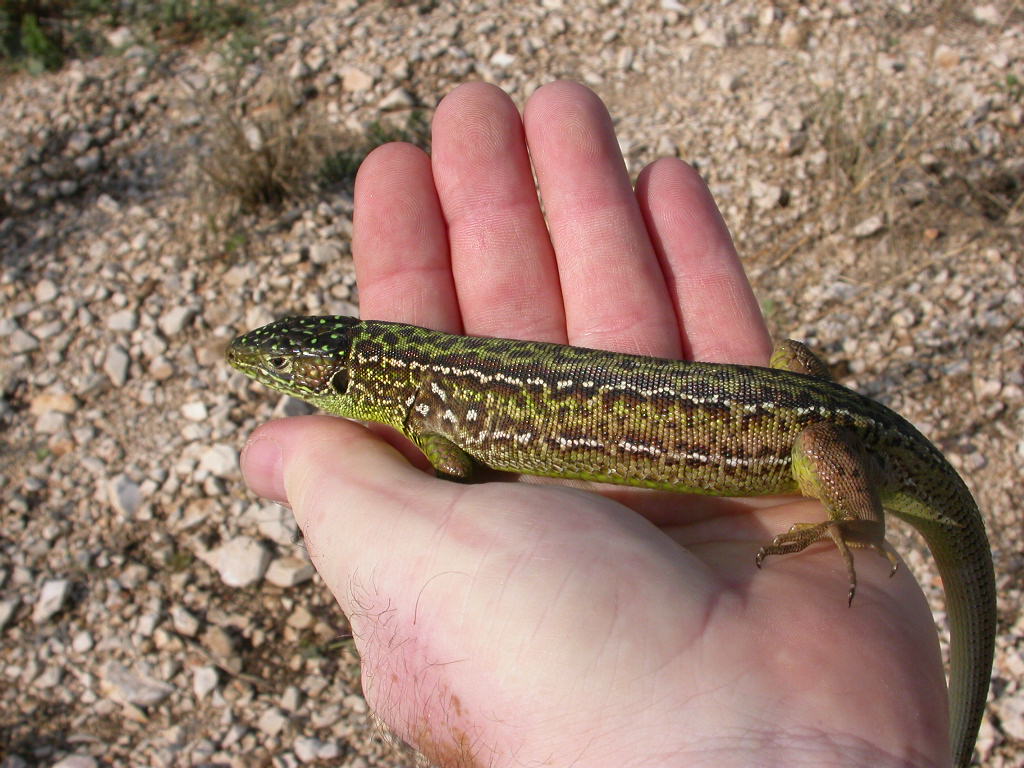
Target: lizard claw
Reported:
point(844, 534)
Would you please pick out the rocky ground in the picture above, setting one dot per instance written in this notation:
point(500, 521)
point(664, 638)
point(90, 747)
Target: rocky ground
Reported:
point(152, 611)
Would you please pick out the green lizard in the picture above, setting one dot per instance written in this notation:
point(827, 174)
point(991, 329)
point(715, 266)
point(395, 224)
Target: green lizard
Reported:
point(729, 430)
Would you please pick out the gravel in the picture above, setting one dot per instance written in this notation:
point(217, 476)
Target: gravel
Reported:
point(152, 612)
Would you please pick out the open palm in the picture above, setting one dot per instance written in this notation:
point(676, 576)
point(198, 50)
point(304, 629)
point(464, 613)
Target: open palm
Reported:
point(520, 624)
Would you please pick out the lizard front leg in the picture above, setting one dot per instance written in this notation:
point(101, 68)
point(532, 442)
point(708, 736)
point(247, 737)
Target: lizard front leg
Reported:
point(425, 425)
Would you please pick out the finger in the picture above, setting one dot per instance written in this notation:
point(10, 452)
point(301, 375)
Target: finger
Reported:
point(399, 243)
point(614, 294)
point(720, 320)
point(504, 267)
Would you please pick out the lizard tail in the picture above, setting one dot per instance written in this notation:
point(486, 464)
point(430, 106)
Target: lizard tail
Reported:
point(965, 565)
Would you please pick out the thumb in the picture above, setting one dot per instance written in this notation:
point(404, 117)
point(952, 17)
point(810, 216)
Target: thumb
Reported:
point(360, 504)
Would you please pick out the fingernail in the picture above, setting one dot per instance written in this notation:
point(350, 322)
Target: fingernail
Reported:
point(262, 464)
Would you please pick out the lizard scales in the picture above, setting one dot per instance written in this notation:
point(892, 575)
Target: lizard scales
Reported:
point(732, 430)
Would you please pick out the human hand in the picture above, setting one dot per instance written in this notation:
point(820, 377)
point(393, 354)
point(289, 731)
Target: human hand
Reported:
point(508, 624)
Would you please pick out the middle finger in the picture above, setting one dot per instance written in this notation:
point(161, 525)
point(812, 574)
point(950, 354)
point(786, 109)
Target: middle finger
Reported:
point(613, 289)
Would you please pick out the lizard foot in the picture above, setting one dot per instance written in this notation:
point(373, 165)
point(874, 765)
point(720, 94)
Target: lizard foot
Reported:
point(843, 533)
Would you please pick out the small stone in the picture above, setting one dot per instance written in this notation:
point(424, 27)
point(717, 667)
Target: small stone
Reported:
point(766, 196)
point(503, 59)
point(325, 716)
point(930, 162)
point(987, 14)
point(184, 622)
point(174, 320)
point(7, 608)
point(242, 561)
point(987, 388)
point(50, 678)
point(272, 721)
point(153, 344)
point(870, 226)
point(307, 749)
point(120, 37)
point(399, 98)
point(354, 79)
point(1011, 715)
point(218, 642)
point(793, 144)
point(946, 57)
point(204, 680)
point(108, 205)
point(277, 524)
point(988, 737)
point(123, 320)
point(298, 70)
point(115, 365)
point(133, 576)
point(76, 761)
point(316, 58)
point(82, 642)
point(195, 411)
point(667, 147)
point(125, 495)
point(253, 136)
point(51, 423)
point(45, 402)
point(49, 330)
point(729, 83)
point(291, 699)
point(124, 685)
point(220, 460)
point(714, 36)
point(329, 752)
point(903, 318)
point(625, 58)
point(22, 341)
point(300, 618)
point(46, 291)
point(324, 253)
point(79, 141)
point(289, 571)
point(792, 35)
point(292, 406)
point(89, 162)
point(161, 369)
point(1015, 665)
point(355, 703)
point(51, 599)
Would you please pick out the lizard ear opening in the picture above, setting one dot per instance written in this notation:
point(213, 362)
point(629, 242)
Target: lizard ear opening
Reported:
point(339, 381)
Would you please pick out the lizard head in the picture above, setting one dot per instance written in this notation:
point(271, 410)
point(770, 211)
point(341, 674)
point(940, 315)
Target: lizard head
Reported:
point(305, 357)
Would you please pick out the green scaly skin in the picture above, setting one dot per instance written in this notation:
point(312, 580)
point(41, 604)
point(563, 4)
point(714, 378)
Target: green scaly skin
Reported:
point(730, 430)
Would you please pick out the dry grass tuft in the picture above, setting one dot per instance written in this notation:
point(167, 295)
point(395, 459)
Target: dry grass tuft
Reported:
point(277, 153)
point(260, 159)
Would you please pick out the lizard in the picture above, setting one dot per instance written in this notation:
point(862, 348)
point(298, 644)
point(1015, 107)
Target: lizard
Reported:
point(691, 427)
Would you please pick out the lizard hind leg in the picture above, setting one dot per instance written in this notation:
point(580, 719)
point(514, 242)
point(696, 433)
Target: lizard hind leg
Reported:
point(829, 464)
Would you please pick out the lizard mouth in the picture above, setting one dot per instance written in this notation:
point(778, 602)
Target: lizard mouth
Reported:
point(239, 357)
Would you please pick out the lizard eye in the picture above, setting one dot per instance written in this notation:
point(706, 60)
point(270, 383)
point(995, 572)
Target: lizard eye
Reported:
point(279, 363)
